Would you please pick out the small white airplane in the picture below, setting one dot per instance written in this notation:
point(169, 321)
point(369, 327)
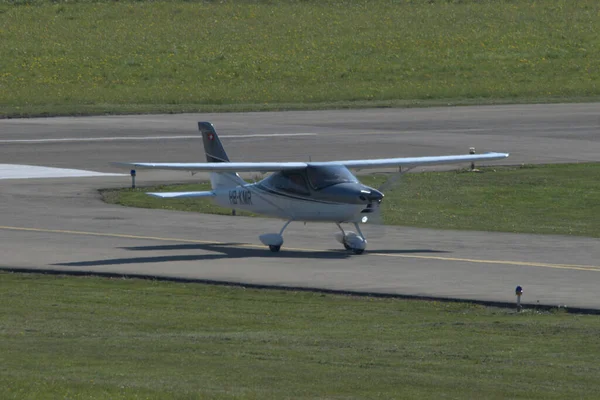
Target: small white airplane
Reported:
point(297, 191)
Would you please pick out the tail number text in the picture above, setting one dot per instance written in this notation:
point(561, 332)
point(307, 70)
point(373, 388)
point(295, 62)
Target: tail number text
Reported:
point(237, 196)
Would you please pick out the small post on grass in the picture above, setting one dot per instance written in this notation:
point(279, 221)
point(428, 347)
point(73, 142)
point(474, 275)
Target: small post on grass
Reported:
point(519, 292)
point(133, 178)
point(472, 151)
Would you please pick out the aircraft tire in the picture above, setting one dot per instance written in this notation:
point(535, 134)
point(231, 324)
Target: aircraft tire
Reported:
point(274, 249)
point(358, 251)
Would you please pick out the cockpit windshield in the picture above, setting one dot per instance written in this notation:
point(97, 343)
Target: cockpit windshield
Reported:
point(323, 176)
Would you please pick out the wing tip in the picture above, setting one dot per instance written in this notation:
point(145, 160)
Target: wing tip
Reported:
point(503, 155)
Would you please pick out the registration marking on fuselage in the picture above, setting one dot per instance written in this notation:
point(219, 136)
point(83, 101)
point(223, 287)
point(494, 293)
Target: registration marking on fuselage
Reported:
point(576, 267)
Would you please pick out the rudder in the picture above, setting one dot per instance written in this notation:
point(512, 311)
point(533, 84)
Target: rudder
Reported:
point(215, 153)
point(212, 144)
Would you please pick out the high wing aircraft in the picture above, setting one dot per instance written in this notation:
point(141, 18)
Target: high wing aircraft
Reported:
point(297, 191)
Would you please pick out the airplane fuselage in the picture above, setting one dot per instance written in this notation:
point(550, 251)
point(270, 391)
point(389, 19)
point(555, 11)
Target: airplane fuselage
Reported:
point(257, 198)
point(316, 193)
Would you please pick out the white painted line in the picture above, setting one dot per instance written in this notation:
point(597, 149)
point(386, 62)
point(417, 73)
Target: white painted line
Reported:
point(14, 171)
point(416, 131)
point(133, 138)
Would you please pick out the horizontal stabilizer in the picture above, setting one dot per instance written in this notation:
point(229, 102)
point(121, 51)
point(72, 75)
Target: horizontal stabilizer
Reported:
point(181, 195)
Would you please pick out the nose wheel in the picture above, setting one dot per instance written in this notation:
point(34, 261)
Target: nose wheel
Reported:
point(351, 241)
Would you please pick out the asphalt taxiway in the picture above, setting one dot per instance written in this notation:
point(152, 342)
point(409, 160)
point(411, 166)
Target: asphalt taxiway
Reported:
point(61, 223)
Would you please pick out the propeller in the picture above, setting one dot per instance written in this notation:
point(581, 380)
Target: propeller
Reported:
point(393, 180)
point(375, 217)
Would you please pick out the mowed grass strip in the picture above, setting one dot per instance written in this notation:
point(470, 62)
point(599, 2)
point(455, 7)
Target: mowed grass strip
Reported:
point(551, 199)
point(70, 57)
point(85, 337)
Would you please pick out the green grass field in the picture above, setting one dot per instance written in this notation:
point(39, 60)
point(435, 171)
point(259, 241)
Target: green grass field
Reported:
point(84, 337)
point(551, 199)
point(77, 57)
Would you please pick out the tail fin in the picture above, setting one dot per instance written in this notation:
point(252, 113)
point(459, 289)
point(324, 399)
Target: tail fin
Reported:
point(212, 145)
point(216, 153)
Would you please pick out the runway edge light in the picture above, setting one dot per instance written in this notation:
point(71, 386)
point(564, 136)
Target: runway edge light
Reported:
point(519, 293)
point(472, 151)
point(132, 178)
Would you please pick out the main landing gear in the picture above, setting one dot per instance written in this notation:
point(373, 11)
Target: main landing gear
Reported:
point(352, 241)
point(274, 240)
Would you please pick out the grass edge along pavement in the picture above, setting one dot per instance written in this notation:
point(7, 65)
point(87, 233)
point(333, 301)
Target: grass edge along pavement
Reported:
point(121, 338)
point(117, 57)
point(559, 199)
point(82, 110)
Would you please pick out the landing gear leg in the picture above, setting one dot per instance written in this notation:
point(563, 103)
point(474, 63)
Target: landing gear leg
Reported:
point(285, 226)
point(274, 240)
point(342, 239)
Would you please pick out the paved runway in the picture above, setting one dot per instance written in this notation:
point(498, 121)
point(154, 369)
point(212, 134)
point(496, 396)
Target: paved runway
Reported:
point(60, 223)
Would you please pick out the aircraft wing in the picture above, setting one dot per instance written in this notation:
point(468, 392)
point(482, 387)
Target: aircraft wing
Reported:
point(181, 195)
point(415, 161)
point(282, 166)
point(219, 166)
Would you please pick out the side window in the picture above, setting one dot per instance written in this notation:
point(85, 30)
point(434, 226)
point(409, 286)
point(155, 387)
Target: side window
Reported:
point(293, 183)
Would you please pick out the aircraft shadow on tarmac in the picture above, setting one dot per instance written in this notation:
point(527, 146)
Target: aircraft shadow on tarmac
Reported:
point(228, 251)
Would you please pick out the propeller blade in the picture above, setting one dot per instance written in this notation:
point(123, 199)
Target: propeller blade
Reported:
point(375, 217)
point(374, 222)
point(392, 180)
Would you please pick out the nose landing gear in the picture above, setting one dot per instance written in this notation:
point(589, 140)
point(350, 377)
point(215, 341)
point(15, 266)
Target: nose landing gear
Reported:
point(351, 240)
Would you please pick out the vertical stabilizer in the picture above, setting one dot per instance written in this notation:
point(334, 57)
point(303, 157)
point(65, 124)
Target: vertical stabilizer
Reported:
point(212, 144)
point(216, 153)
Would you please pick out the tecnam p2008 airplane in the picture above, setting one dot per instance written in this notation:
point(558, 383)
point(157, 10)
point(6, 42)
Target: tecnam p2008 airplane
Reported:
point(297, 191)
